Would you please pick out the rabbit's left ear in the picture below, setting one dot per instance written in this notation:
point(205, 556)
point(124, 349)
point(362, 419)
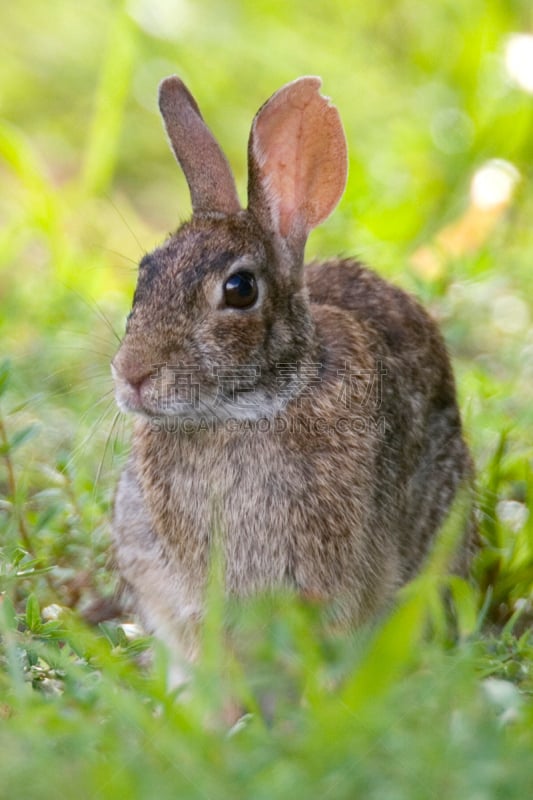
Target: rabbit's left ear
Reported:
point(297, 161)
point(207, 172)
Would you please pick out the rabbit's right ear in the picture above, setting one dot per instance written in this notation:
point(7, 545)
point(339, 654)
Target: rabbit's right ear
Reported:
point(204, 164)
point(297, 162)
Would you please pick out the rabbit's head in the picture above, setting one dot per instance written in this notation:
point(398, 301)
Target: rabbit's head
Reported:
point(220, 318)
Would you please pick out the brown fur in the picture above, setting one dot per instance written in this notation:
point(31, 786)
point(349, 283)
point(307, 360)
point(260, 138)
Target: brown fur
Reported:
point(333, 487)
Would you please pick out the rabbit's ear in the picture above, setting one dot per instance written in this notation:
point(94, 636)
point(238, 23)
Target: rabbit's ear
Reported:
point(297, 161)
point(204, 164)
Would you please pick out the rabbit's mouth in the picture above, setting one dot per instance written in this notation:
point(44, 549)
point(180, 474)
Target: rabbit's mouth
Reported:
point(178, 393)
point(186, 394)
point(211, 407)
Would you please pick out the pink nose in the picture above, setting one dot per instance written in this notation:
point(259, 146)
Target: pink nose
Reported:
point(138, 382)
point(129, 389)
point(131, 374)
point(130, 370)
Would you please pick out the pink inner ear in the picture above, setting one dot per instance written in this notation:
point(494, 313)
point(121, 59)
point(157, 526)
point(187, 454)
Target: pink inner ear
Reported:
point(300, 148)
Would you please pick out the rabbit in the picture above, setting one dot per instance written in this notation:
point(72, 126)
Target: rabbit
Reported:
point(302, 416)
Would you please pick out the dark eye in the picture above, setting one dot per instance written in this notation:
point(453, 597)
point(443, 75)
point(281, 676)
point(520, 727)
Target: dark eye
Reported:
point(240, 290)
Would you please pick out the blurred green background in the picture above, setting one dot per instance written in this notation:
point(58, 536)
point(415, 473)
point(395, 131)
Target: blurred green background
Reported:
point(437, 102)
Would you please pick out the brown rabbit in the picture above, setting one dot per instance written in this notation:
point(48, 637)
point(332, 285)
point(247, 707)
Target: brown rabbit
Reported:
point(307, 413)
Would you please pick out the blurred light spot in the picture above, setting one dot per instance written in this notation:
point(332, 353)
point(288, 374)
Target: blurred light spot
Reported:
point(452, 130)
point(510, 314)
point(504, 696)
point(131, 630)
point(52, 612)
point(519, 59)
point(493, 184)
point(513, 514)
point(166, 19)
point(502, 693)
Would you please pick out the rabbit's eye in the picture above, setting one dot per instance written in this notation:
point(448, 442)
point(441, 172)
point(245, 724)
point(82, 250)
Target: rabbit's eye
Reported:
point(240, 290)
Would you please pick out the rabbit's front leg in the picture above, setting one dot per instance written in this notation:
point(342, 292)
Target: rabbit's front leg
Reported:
point(160, 594)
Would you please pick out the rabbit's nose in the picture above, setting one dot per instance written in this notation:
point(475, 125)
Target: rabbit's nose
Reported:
point(138, 382)
point(131, 387)
point(138, 394)
point(131, 374)
point(129, 368)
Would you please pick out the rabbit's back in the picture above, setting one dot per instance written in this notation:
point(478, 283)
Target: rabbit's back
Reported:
point(422, 458)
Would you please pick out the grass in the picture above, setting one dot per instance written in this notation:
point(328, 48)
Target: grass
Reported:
point(412, 708)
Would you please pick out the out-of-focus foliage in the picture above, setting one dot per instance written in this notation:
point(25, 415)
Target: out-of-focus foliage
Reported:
point(437, 102)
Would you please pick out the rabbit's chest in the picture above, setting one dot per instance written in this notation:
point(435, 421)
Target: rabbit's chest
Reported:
point(265, 503)
point(240, 495)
